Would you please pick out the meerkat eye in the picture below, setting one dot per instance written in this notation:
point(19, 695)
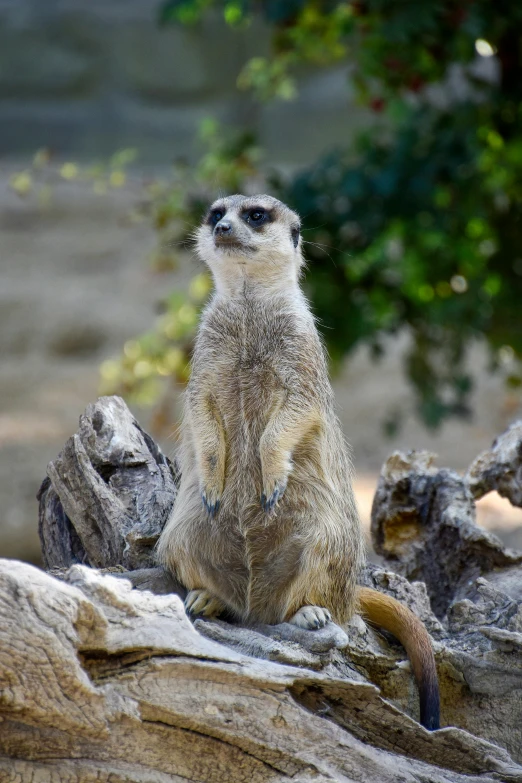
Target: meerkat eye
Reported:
point(215, 216)
point(294, 233)
point(257, 215)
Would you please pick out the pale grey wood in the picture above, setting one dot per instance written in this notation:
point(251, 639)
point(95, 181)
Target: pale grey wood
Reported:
point(146, 696)
point(105, 683)
point(115, 490)
point(500, 467)
point(424, 524)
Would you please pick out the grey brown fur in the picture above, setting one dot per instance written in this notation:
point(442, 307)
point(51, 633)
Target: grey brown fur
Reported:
point(265, 523)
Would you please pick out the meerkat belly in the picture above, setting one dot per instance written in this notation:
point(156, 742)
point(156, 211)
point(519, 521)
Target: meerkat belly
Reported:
point(218, 553)
point(247, 403)
point(244, 554)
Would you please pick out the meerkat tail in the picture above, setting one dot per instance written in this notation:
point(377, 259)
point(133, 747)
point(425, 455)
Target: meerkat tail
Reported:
point(386, 612)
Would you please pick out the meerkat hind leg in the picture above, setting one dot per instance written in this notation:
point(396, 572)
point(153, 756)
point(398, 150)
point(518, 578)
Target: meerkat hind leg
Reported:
point(311, 617)
point(202, 602)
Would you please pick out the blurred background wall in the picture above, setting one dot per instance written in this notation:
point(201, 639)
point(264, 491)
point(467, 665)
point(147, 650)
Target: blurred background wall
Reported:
point(84, 78)
point(87, 77)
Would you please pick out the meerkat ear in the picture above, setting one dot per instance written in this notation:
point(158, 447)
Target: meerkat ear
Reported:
point(295, 233)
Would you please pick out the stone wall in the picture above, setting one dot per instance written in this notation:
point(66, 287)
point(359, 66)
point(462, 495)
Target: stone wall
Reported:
point(86, 77)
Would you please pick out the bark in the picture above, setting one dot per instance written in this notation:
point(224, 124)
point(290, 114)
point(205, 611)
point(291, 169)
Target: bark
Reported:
point(104, 678)
point(108, 494)
point(424, 523)
point(500, 467)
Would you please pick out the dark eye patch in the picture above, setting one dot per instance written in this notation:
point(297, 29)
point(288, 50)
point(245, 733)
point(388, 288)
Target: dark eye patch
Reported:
point(256, 216)
point(215, 216)
point(294, 233)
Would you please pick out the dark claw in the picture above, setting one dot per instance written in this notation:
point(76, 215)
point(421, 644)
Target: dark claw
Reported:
point(212, 508)
point(267, 504)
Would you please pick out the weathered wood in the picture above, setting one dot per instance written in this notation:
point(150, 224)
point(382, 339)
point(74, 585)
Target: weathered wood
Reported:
point(116, 490)
point(500, 467)
point(423, 523)
point(104, 682)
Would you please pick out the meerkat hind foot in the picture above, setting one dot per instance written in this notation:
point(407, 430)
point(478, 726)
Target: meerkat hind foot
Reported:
point(311, 617)
point(202, 602)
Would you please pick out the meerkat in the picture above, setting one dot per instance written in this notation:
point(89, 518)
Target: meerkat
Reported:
point(265, 524)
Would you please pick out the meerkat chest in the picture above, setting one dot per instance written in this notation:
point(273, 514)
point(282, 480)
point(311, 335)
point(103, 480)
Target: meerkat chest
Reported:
point(249, 342)
point(249, 352)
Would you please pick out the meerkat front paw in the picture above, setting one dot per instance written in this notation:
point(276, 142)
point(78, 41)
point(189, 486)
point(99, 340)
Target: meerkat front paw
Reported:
point(311, 617)
point(202, 602)
point(276, 466)
point(211, 500)
point(273, 491)
point(275, 480)
point(212, 479)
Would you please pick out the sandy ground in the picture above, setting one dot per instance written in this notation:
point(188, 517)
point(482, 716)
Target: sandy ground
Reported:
point(75, 283)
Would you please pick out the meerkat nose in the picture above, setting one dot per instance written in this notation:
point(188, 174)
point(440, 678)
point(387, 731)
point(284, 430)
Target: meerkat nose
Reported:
point(223, 228)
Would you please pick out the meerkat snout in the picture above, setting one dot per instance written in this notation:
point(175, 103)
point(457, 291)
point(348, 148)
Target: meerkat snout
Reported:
point(223, 230)
point(254, 237)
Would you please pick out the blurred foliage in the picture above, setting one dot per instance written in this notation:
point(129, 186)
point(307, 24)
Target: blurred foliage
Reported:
point(157, 361)
point(39, 178)
point(174, 206)
point(418, 224)
point(163, 353)
point(423, 231)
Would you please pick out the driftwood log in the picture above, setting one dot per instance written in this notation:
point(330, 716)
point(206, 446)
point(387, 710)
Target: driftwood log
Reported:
point(104, 678)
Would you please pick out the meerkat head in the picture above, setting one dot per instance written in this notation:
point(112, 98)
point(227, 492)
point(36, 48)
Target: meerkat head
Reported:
point(256, 237)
